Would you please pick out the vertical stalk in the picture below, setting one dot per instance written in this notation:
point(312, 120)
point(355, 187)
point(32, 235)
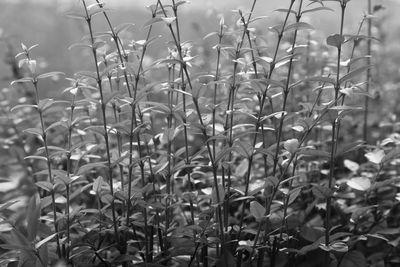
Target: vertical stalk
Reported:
point(369, 52)
point(217, 74)
point(333, 138)
point(232, 92)
point(49, 172)
point(260, 114)
point(103, 112)
point(286, 91)
point(203, 126)
point(69, 171)
point(46, 149)
point(134, 122)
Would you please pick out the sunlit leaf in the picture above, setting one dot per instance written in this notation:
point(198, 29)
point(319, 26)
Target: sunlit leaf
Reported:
point(351, 165)
point(359, 183)
point(291, 145)
point(375, 156)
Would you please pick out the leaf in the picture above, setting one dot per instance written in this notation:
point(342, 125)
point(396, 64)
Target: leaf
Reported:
point(268, 60)
point(6, 205)
point(349, 148)
point(45, 103)
point(359, 183)
point(47, 186)
point(23, 80)
point(87, 167)
point(299, 26)
point(293, 194)
point(123, 27)
point(23, 106)
point(241, 169)
point(205, 79)
point(33, 215)
point(169, 20)
point(257, 210)
point(221, 194)
point(320, 240)
point(45, 201)
point(76, 16)
point(394, 153)
point(375, 156)
point(291, 145)
point(344, 107)
point(79, 45)
point(98, 182)
point(210, 35)
point(335, 40)
point(359, 37)
point(353, 258)
point(151, 22)
point(36, 157)
point(53, 74)
point(285, 10)
point(317, 9)
point(321, 191)
point(354, 73)
point(45, 240)
point(351, 165)
point(337, 246)
point(315, 153)
point(224, 152)
point(180, 2)
point(321, 79)
point(61, 123)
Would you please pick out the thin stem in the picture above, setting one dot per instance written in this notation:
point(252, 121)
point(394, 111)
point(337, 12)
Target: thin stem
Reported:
point(333, 139)
point(69, 169)
point(103, 112)
point(286, 91)
point(259, 116)
point(203, 126)
point(49, 172)
point(369, 52)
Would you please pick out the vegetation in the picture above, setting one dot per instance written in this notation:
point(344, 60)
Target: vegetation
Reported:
point(266, 156)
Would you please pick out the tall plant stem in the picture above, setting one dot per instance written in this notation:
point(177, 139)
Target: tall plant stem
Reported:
point(184, 118)
point(260, 114)
point(228, 127)
point(214, 109)
point(69, 170)
point(134, 122)
point(103, 112)
point(49, 172)
point(333, 139)
point(293, 156)
point(348, 71)
point(369, 52)
point(286, 91)
point(203, 126)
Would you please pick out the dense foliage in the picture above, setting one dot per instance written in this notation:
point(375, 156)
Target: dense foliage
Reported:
point(262, 154)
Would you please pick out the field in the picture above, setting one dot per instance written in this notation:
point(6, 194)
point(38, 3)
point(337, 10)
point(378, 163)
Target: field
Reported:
point(193, 134)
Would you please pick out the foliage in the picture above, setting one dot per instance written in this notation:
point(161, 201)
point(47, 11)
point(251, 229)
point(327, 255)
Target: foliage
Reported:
point(249, 160)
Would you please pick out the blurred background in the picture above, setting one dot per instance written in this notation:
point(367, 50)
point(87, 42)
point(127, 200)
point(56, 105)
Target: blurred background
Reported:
point(44, 22)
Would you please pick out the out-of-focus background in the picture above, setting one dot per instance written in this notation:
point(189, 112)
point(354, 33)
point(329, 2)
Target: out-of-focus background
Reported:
point(44, 22)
